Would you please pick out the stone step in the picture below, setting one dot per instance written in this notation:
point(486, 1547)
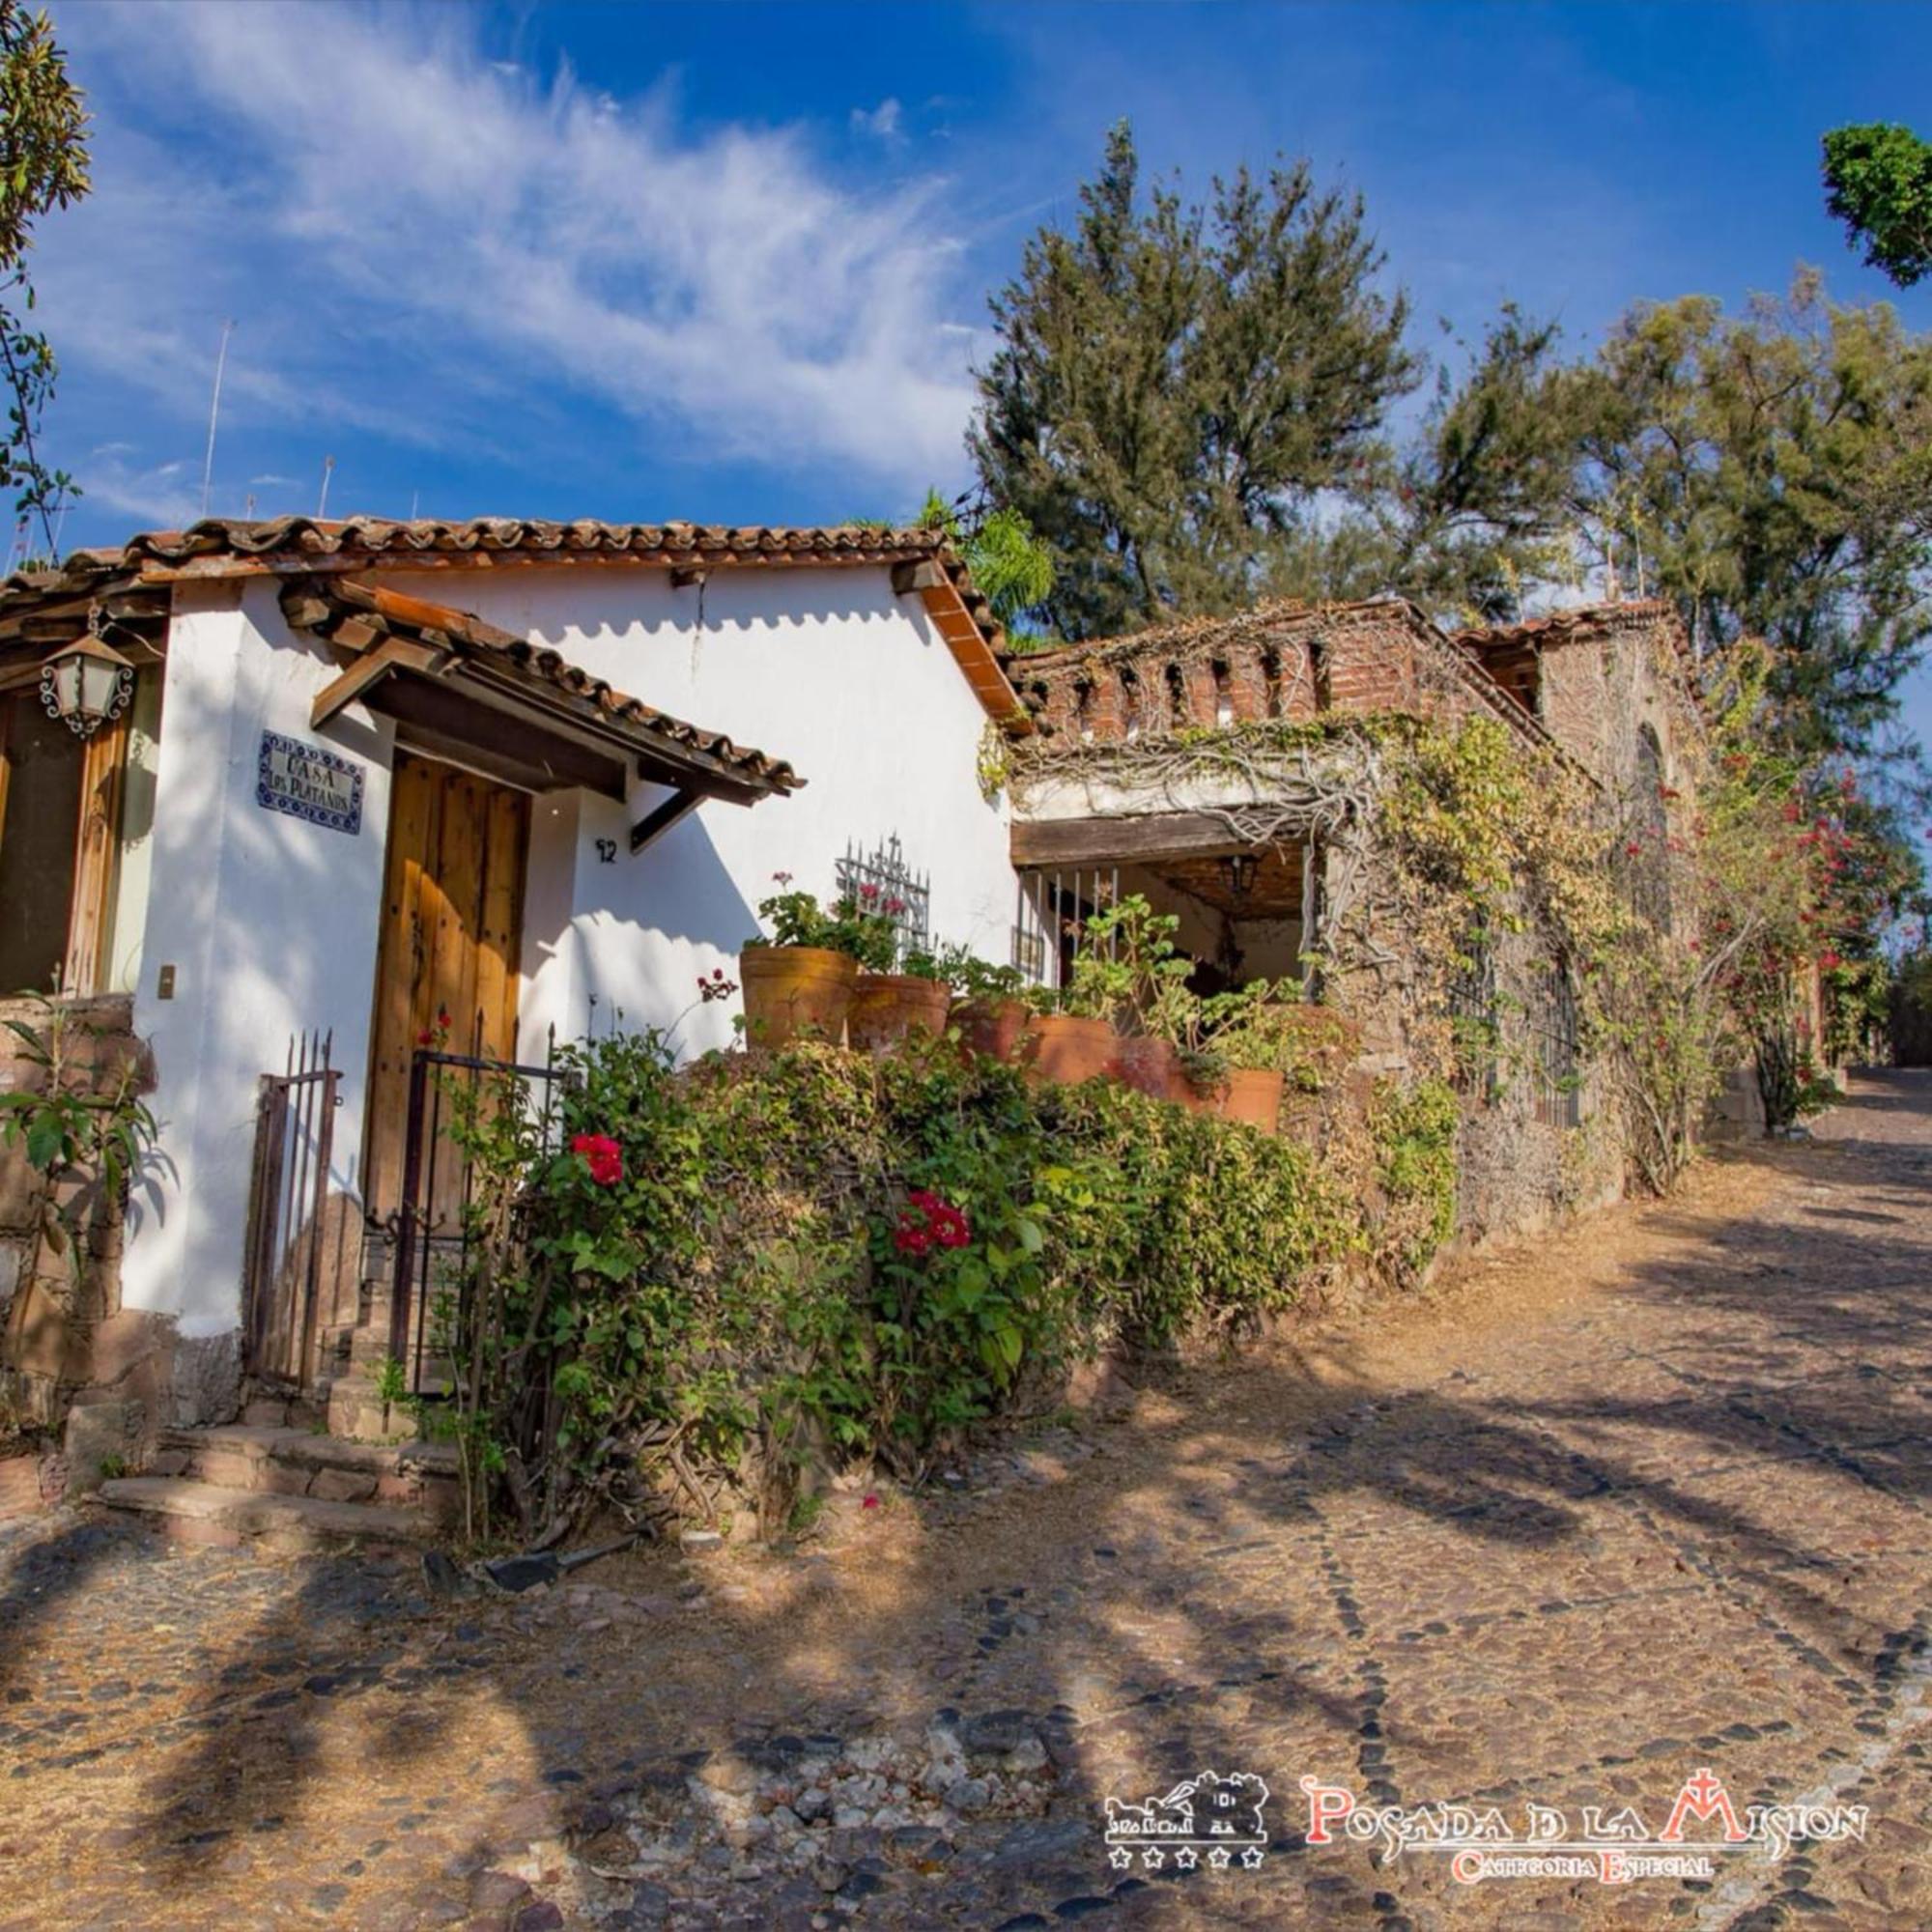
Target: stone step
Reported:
point(206, 1513)
point(306, 1462)
point(358, 1413)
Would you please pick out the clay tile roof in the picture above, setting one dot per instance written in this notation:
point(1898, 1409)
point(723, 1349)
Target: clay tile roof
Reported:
point(1560, 627)
point(322, 605)
point(294, 540)
point(296, 545)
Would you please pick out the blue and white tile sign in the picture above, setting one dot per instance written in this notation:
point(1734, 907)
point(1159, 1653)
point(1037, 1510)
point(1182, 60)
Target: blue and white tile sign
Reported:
point(305, 781)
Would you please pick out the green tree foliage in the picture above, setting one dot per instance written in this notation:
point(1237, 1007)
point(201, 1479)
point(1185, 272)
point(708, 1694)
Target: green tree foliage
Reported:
point(42, 167)
point(1772, 472)
point(1878, 180)
point(1192, 408)
point(1176, 387)
point(1008, 562)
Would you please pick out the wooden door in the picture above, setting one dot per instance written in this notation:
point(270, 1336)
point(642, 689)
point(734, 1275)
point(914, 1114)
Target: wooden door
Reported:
point(446, 971)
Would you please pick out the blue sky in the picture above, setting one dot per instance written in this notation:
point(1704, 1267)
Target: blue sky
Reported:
point(730, 262)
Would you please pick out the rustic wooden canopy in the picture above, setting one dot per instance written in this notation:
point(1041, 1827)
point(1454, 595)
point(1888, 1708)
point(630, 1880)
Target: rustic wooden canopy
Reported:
point(462, 689)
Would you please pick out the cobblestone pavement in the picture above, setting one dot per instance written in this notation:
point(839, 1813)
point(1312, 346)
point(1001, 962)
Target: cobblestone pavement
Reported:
point(1647, 1497)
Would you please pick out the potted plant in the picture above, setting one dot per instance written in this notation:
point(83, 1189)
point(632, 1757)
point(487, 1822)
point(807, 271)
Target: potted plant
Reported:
point(888, 1006)
point(1066, 1042)
point(991, 1010)
point(1254, 1035)
point(798, 978)
point(1129, 973)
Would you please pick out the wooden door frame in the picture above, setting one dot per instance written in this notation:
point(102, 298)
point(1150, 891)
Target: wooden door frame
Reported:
point(97, 841)
point(490, 947)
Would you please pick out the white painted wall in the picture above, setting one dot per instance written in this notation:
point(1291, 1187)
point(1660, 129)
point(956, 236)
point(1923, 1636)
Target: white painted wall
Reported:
point(825, 667)
point(270, 924)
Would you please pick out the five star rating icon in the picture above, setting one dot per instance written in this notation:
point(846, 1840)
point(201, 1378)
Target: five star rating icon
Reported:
point(1186, 1857)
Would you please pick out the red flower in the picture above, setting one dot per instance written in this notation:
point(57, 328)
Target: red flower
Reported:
point(602, 1156)
point(1828, 959)
point(927, 1222)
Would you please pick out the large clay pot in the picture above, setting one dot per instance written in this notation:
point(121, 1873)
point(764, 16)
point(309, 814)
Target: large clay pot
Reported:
point(1066, 1049)
point(990, 1028)
point(888, 1006)
point(1147, 1066)
point(1252, 1096)
point(794, 989)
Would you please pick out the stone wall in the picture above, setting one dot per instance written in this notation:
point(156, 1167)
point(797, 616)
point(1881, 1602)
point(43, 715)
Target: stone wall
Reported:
point(73, 1362)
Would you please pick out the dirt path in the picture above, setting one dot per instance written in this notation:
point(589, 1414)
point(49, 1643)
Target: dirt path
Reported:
point(1644, 1498)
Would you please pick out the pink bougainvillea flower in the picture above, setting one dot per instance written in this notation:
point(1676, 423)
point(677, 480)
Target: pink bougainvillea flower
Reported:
point(602, 1156)
point(870, 1503)
point(927, 1222)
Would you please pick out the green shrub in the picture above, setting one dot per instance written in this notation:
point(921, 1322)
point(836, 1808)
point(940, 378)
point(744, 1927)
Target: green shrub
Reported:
point(1415, 1130)
point(815, 1252)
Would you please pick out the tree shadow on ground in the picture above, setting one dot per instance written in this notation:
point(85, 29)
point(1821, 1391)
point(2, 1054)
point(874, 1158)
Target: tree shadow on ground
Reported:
point(1746, 1411)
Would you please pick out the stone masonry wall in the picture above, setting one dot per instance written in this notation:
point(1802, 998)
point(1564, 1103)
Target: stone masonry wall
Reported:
point(72, 1361)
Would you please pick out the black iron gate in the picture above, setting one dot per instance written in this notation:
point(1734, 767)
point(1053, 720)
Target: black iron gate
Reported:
point(429, 1298)
point(288, 1201)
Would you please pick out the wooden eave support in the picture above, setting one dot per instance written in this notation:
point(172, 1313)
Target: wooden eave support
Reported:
point(662, 817)
point(972, 651)
point(368, 671)
point(1106, 841)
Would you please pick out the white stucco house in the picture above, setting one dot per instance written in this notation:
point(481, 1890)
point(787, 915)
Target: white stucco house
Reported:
point(372, 779)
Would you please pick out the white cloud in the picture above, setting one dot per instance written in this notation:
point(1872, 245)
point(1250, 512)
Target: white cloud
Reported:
point(417, 237)
point(883, 120)
point(162, 496)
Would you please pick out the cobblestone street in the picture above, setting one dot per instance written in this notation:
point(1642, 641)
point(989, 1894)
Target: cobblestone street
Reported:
point(1646, 1497)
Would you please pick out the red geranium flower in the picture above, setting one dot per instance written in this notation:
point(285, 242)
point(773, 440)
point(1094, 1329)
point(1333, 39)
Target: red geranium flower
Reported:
point(602, 1156)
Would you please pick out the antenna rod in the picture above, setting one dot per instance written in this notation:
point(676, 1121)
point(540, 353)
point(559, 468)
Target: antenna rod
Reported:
point(328, 470)
point(214, 412)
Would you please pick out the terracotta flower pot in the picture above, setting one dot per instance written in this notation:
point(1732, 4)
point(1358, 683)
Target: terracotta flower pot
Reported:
point(990, 1028)
point(888, 1006)
point(794, 989)
point(1066, 1049)
point(1252, 1096)
point(1146, 1066)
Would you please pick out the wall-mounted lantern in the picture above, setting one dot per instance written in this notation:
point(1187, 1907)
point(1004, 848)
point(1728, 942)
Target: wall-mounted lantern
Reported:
point(1240, 867)
point(86, 684)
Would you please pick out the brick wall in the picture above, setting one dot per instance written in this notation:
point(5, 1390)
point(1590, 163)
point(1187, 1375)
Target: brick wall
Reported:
point(1286, 661)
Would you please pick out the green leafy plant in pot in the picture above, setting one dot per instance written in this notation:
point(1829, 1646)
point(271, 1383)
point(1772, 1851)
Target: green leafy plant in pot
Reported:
point(888, 1007)
point(800, 976)
point(1129, 974)
point(1253, 1034)
point(990, 1007)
